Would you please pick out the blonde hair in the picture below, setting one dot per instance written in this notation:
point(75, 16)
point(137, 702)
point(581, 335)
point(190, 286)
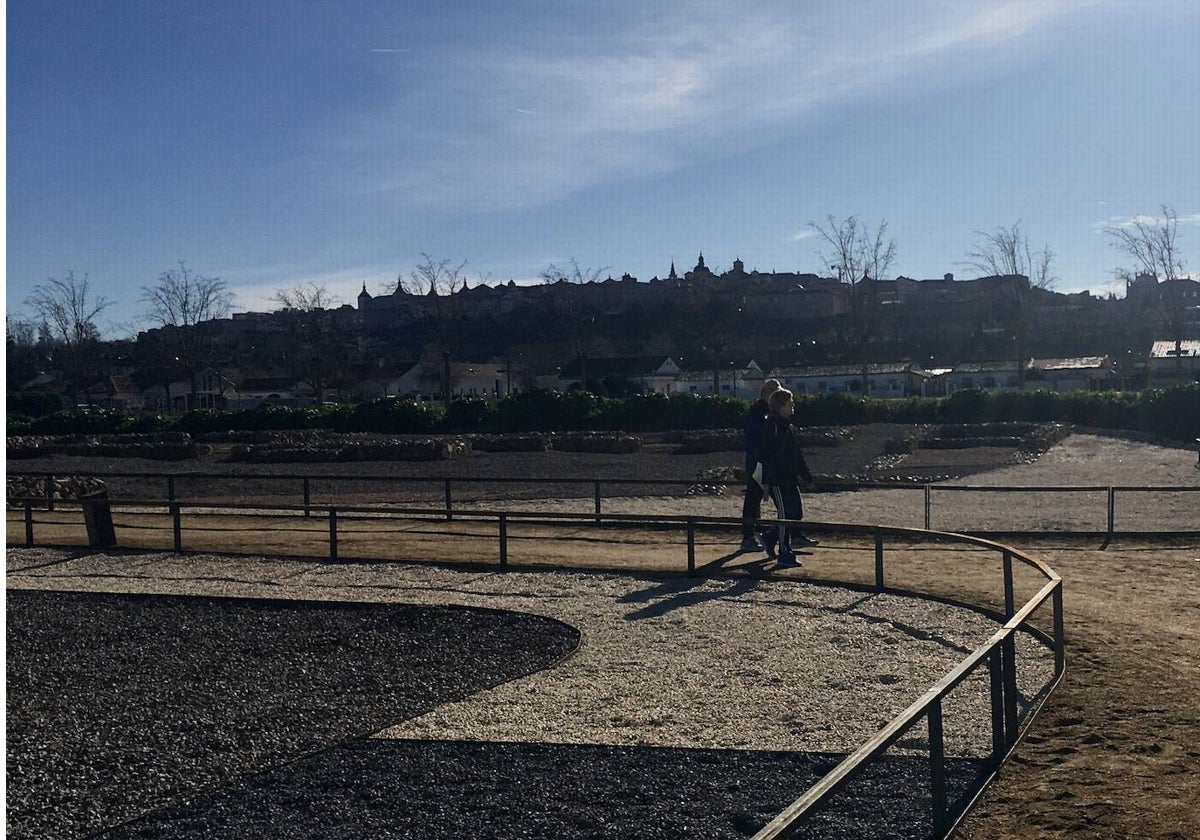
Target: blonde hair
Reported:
point(769, 387)
point(778, 400)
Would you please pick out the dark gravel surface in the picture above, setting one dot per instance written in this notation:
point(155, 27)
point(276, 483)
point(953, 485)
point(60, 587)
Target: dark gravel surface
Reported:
point(437, 789)
point(118, 704)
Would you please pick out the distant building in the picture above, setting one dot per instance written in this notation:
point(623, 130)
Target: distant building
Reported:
point(989, 376)
point(467, 379)
point(894, 380)
point(644, 374)
point(1166, 360)
point(273, 390)
point(744, 382)
point(1089, 373)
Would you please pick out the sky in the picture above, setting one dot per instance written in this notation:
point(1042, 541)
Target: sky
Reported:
point(274, 144)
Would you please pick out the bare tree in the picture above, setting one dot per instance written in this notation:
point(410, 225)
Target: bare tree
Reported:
point(305, 297)
point(181, 302)
point(1150, 241)
point(438, 282)
point(861, 256)
point(314, 352)
point(67, 311)
point(1007, 253)
point(574, 312)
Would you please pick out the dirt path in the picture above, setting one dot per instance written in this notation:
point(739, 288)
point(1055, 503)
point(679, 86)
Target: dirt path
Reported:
point(1116, 752)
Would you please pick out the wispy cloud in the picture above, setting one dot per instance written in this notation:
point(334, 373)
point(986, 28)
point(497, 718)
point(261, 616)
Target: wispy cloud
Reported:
point(1143, 219)
point(522, 126)
point(801, 235)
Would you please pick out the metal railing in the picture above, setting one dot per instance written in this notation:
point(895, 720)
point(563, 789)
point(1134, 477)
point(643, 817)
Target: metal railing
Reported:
point(305, 482)
point(998, 654)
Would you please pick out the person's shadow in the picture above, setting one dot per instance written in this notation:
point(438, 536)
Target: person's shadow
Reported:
point(682, 591)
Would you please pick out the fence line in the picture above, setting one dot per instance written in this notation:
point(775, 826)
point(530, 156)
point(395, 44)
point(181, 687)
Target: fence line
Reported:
point(448, 482)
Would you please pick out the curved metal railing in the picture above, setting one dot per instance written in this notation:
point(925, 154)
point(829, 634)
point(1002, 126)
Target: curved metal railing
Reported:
point(998, 654)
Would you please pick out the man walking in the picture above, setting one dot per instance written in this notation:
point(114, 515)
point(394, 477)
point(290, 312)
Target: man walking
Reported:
point(753, 427)
point(784, 468)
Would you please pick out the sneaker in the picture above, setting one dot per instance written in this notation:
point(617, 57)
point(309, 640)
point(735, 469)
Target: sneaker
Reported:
point(787, 558)
point(805, 542)
point(749, 543)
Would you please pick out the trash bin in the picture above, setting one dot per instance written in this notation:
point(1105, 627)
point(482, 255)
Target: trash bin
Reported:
point(97, 516)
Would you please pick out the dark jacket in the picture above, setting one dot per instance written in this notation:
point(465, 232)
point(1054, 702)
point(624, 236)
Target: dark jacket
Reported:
point(754, 426)
point(783, 462)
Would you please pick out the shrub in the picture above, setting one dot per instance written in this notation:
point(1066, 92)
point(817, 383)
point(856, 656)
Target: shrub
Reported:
point(34, 403)
point(660, 413)
point(470, 414)
point(393, 416)
point(548, 411)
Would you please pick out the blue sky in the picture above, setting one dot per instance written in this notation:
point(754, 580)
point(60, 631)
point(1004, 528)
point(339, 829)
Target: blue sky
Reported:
point(278, 143)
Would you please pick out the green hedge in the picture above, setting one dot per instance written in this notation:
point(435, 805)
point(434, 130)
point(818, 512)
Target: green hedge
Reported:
point(33, 403)
point(1173, 413)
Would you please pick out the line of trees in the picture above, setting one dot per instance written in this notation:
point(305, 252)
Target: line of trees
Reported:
point(63, 334)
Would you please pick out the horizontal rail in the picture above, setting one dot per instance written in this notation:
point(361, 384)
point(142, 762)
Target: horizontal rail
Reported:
point(822, 484)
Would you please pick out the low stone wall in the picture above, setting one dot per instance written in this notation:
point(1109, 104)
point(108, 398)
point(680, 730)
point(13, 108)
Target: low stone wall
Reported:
point(733, 440)
point(531, 442)
point(64, 487)
point(326, 451)
point(1028, 437)
point(598, 442)
point(166, 446)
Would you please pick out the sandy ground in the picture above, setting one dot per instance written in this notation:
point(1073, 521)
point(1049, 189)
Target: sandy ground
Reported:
point(1114, 753)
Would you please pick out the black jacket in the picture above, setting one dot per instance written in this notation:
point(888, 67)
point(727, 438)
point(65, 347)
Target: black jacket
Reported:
point(754, 426)
point(783, 462)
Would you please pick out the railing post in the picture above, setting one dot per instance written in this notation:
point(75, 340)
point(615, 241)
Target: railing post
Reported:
point(597, 501)
point(928, 507)
point(1060, 639)
point(1009, 601)
point(50, 492)
point(449, 502)
point(333, 548)
point(307, 499)
point(996, 679)
point(1112, 510)
point(170, 488)
point(28, 522)
point(503, 540)
point(1009, 670)
point(878, 560)
point(176, 527)
point(937, 769)
point(691, 545)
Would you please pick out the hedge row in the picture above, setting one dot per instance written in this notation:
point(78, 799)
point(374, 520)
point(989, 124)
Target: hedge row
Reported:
point(1173, 413)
